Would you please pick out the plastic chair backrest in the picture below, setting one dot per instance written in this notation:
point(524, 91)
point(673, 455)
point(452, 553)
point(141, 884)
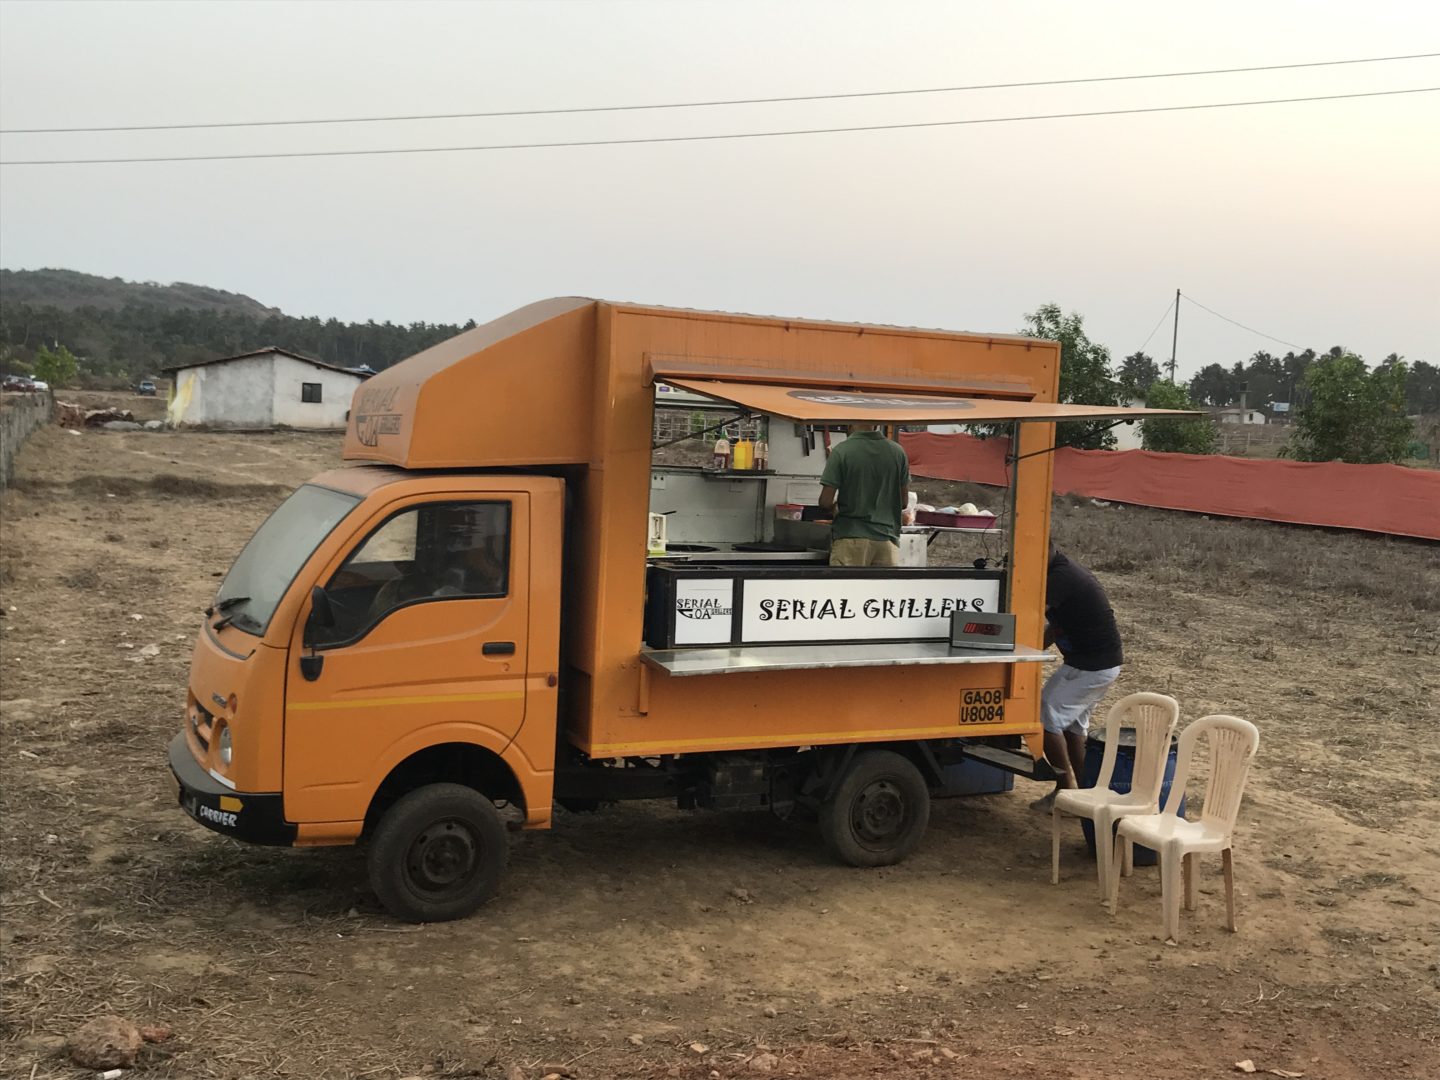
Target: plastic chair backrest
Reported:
point(1153, 716)
point(1233, 743)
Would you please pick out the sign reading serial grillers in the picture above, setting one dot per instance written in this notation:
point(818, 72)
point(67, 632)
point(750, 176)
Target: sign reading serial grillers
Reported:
point(860, 609)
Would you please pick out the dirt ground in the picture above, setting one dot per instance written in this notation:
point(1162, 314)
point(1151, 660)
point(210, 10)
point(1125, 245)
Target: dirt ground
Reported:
point(645, 942)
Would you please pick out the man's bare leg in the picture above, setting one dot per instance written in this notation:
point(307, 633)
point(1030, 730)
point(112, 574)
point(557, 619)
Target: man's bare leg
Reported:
point(1075, 746)
point(1057, 753)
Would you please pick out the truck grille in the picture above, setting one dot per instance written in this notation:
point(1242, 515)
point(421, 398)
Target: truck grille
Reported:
point(202, 723)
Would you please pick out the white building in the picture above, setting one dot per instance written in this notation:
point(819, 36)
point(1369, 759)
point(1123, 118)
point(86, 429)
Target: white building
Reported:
point(262, 389)
point(1238, 415)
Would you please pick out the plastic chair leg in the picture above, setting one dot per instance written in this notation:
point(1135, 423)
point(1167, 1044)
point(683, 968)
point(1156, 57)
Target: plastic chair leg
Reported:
point(1104, 851)
point(1189, 874)
point(1229, 864)
point(1170, 890)
point(1128, 864)
point(1054, 846)
point(1113, 885)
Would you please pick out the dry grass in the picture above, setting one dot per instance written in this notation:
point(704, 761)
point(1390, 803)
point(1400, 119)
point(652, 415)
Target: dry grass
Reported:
point(169, 484)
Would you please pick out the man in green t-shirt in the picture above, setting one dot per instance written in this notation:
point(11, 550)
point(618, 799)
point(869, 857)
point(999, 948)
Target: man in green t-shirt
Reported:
point(872, 475)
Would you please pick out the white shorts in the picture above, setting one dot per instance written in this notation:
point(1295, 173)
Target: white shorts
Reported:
point(1070, 696)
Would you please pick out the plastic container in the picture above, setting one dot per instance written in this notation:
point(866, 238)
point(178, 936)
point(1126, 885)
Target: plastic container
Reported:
point(743, 457)
point(971, 777)
point(1120, 781)
point(907, 515)
point(788, 511)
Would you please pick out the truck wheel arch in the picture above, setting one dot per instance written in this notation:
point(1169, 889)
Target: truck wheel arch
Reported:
point(465, 763)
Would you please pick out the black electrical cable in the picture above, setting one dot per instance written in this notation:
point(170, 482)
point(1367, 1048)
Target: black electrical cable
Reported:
point(1242, 326)
point(715, 138)
point(709, 104)
point(1158, 323)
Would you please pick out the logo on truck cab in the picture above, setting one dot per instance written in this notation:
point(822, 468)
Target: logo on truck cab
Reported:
point(219, 817)
point(374, 415)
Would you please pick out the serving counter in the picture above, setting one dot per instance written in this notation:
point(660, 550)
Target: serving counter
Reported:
point(749, 658)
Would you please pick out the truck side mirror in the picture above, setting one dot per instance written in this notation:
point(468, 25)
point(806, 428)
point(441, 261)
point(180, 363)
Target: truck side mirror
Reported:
point(321, 613)
point(322, 616)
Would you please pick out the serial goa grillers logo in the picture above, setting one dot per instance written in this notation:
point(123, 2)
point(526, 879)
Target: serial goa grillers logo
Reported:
point(702, 607)
point(374, 415)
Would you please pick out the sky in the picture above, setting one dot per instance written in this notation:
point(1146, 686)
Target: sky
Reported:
point(1316, 223)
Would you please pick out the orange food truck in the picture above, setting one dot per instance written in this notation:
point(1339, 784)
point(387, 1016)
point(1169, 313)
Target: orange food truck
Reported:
point(476, 609)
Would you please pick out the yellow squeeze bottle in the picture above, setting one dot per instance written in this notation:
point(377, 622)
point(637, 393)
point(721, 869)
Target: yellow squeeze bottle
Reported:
point(743, 456)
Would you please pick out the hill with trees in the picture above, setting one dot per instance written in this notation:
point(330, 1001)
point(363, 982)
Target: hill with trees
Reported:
point(70, 289)
point(122, 331)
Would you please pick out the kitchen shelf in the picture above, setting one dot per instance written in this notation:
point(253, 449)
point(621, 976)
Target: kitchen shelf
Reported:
point(737, 474)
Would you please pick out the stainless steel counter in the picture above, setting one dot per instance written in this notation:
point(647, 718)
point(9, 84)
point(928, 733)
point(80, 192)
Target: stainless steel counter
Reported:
point(729, 661)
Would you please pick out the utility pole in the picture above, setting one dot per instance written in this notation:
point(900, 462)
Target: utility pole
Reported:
point(1175, 339)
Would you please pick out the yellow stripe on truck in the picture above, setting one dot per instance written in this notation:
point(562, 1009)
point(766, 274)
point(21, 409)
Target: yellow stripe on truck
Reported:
point(377, 703)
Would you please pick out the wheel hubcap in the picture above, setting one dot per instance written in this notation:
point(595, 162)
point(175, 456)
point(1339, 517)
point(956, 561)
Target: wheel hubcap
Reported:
point(443, 857)
point(879, 814)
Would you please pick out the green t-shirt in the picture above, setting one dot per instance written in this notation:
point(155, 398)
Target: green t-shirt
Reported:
point(871, 473)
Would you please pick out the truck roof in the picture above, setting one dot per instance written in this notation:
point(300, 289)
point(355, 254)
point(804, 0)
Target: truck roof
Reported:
point(536, 387)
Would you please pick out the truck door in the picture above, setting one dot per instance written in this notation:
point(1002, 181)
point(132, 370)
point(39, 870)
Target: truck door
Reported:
point(429, 645)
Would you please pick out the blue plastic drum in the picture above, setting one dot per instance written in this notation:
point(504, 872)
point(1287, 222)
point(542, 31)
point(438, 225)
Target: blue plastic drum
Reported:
point(1120, 781)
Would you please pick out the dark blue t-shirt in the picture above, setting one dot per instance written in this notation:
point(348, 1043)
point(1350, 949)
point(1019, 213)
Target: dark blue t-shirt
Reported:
point(1079, 611)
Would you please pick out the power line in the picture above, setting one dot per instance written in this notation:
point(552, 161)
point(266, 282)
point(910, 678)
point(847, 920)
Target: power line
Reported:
point(1158, 323)
point(1242, 326)
point(714, 138)
point(709, 104)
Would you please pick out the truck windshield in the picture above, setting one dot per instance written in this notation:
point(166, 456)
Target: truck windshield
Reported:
point(264, 570)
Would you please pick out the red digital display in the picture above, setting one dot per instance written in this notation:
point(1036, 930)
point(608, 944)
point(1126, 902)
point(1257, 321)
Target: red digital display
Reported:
point(985, 628)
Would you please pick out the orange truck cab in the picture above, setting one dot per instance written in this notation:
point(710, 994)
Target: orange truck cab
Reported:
point(470, 615)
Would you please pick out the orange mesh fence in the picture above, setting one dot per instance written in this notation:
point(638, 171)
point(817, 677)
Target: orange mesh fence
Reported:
point(1376, 498)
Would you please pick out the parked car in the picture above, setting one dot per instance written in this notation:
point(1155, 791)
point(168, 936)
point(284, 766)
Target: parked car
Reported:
point(37, 384)
point(146, 389)
point(18, 384)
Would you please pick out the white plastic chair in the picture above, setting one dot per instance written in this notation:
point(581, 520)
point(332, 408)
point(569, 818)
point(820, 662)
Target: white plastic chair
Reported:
point(1233, 743)
point(1153, 716)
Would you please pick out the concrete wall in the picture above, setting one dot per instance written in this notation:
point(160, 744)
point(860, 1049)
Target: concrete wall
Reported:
point(238, 393)
point(336, 390)
point(20, 416)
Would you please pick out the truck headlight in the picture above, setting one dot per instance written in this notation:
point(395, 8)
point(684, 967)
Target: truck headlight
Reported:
point(227, 751)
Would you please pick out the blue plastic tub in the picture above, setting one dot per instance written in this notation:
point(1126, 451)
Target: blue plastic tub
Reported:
point(1120, 782)
point(971, 777)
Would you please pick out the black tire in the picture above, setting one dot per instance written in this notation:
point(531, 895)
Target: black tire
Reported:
point(878, 812)
point(438, 854)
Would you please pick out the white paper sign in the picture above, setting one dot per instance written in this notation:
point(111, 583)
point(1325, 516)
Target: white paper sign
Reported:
point(860, 609)
point(703, 611)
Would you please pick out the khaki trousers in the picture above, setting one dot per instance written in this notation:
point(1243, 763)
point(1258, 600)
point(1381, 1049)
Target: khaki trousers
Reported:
point(855, 551)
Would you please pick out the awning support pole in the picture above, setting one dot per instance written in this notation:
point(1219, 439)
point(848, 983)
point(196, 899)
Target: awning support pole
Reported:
point(706, 431)
point(1010, 459)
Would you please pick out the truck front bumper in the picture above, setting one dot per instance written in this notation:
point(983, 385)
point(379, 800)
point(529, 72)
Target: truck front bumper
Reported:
point(256, 819)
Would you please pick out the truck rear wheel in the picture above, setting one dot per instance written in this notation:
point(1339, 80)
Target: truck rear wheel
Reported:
point(438, 853)
point(878, 812)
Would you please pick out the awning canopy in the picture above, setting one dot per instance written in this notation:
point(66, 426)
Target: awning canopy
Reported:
point(811, 405)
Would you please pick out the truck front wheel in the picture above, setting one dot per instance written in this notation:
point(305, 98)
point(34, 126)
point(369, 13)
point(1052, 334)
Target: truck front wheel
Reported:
point(438, 853)
point(878, 811)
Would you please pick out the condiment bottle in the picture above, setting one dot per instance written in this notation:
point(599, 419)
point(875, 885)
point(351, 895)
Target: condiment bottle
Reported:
point(762, 454)
point(722, 452)
point(744, 457)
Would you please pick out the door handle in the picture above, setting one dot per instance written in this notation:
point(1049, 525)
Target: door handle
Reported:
point(498, 648)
